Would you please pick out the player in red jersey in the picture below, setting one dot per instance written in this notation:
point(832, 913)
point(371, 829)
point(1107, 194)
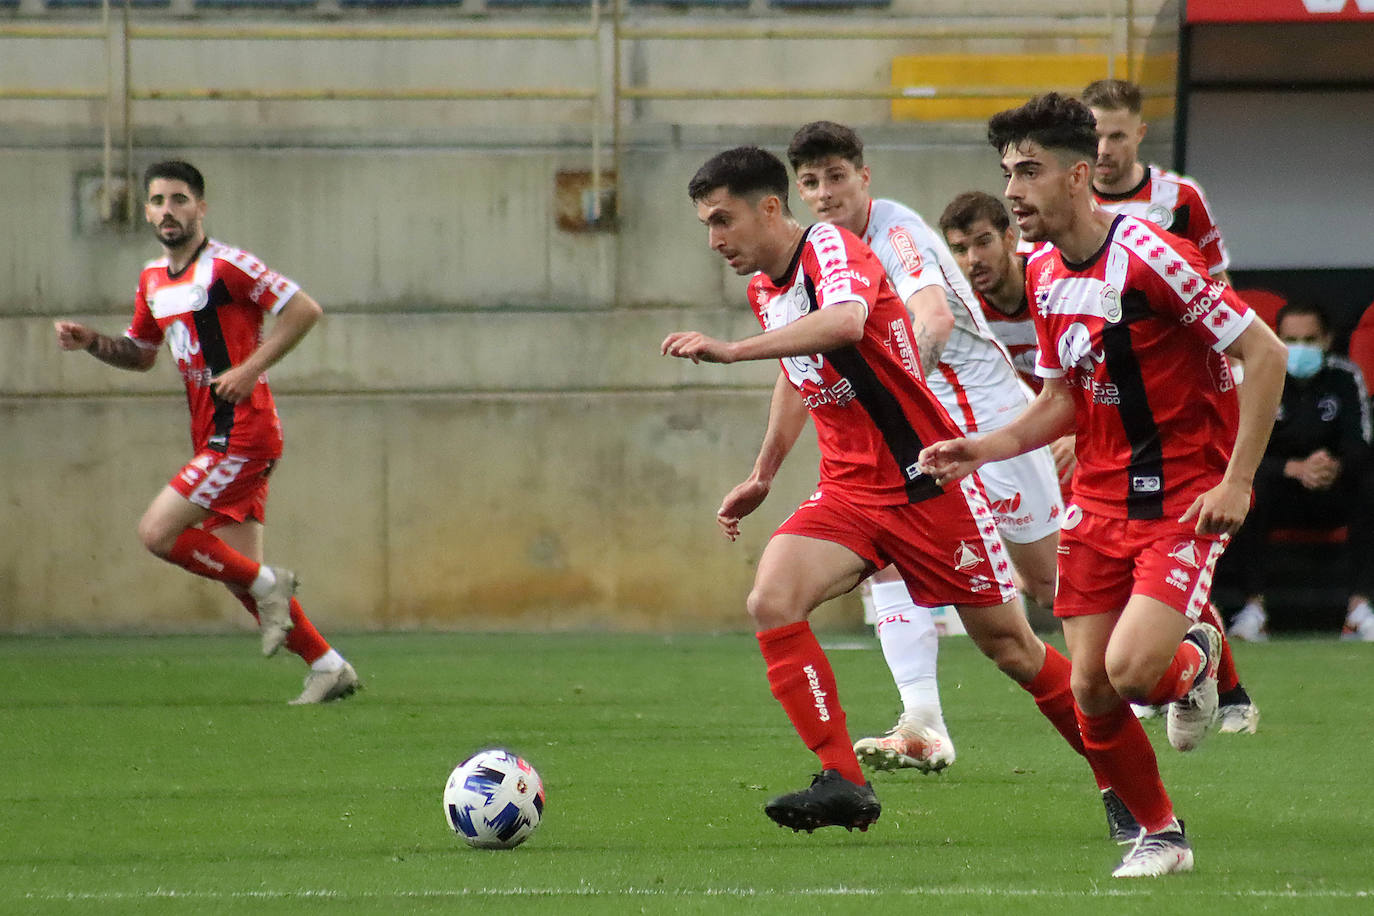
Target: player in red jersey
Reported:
point(207, 301)
point(1176, 203)
point(848, 356)
point(973, 378)
point(1133, 344)
point(1124, 184)
point(979, 233)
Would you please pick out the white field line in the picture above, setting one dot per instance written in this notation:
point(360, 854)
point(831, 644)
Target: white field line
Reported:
point(1132, 890)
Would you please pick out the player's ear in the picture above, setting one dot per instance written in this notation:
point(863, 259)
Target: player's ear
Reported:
point(1080, 174)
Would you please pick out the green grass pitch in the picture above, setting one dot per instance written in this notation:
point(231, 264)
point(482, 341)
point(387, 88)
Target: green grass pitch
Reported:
point(160, 775)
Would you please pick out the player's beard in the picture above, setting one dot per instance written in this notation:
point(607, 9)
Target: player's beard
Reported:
point(1109, 173)
point(984, 280)
point(177, 239)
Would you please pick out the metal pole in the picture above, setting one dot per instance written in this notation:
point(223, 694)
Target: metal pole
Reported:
point(128, 126)
point(1131, 73)
point(107, 140)
point(617, 141)
point(1111, 40)
point(595, 213)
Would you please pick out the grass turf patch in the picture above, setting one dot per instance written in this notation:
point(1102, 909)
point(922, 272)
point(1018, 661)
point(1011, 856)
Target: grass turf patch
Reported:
point(168, 775)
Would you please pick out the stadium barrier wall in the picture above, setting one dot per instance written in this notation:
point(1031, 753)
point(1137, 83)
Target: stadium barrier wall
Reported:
point(480, 434)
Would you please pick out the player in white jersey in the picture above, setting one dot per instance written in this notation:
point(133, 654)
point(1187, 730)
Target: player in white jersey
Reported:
point(1124, 184)
point(973, 378)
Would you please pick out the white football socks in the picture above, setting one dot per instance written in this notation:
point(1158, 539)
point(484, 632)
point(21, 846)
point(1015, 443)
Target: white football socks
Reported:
point(911, 646)
point(329, 661)
point(265, 581)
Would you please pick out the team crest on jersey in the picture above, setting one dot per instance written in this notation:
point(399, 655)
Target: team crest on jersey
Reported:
point(1160, 215)
point(1186, 554)
point(905, 246)
point(1111, 304)
point(966, 557)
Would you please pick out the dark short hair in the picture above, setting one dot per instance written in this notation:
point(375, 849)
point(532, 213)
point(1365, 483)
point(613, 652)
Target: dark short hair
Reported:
point(1113, 95)
point(823, 139)
point(175, 170)
point(1056, 122)
point(1303, 308)
point(745, 171)
point(971, 206)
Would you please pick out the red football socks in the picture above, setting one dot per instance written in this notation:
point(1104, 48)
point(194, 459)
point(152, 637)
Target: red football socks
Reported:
point(202, 553)
point(303, 639)
point(1227, 679)
point(1052, 694)
point(1117, 746)
point(1179, 677)
point(803, 682)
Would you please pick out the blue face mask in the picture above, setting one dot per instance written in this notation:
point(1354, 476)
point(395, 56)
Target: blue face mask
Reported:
point(1304, 360)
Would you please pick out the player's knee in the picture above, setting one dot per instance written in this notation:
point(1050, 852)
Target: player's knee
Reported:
point(770, 608)
point(1092, 690)
point(1129, 679)
point(1040, 590)
point(156, 538)
point(1016, 654)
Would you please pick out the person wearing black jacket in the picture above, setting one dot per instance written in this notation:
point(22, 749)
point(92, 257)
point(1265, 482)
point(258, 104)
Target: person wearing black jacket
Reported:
point(1316, 471)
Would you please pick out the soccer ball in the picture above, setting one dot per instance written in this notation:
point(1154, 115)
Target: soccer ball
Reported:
point(494, 800)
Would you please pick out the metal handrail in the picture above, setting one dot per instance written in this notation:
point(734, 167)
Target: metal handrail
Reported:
point(329, 32)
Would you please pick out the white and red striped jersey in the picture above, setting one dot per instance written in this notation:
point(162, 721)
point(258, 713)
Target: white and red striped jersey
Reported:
point(1015, 332)
point(211, 315)
point(974, 379)
point(1136, 332)
point(872, 412)
point(1174, 203)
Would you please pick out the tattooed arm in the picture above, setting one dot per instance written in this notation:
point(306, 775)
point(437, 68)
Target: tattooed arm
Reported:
point(121, 352)
point(932, 322)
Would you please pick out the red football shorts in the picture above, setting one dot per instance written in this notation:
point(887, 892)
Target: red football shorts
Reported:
point(946, 548)
point(233, 488)
point(1104, 561)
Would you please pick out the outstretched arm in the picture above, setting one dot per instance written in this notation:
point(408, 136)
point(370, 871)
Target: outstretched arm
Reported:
point(826, 329)
point(295, 319)
point(786, 418)
point(121, 352)
point(1047, 418)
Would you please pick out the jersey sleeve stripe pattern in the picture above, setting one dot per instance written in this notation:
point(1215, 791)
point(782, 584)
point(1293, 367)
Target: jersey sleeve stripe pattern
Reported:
point(1192, 288)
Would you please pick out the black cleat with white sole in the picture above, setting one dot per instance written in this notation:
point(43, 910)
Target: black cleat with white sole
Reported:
point(830, 801)
point(1121, 823)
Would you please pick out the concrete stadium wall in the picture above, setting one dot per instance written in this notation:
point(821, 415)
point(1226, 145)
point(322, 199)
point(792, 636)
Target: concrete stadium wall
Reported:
point(480, 434)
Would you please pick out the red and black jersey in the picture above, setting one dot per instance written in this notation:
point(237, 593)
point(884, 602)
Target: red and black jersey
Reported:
point(872, 410)
point(211, 314)
point(1136, 332)
point(1174, 203)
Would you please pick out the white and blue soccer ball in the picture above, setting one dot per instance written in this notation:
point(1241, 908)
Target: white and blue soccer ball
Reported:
point(494, 800)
